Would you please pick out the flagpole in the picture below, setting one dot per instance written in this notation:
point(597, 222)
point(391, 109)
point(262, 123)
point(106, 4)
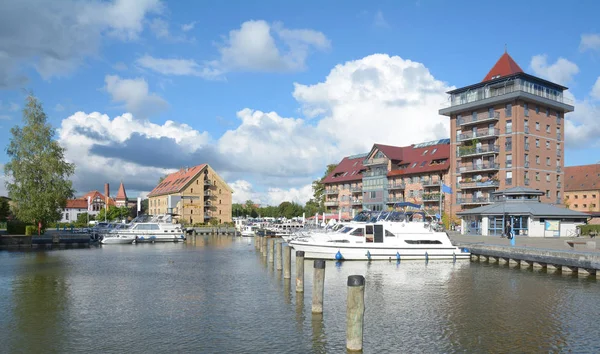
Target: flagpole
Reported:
point(441, 192)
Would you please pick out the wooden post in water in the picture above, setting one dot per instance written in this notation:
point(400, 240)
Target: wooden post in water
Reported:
point(318, 286)
point(287, 262)
point(355, 312)
point(278, 262)
point(263, 246)
point(299, 271)
point(272, 251)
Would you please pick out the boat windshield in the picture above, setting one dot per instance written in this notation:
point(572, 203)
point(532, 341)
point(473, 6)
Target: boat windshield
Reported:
point(346, 229)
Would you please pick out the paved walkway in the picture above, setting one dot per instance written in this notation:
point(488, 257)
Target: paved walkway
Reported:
point(552, 243)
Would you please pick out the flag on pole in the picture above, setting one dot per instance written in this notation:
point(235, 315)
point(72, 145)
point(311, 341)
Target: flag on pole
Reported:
point(446, 189)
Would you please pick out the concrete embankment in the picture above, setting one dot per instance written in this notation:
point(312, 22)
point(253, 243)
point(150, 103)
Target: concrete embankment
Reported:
point(44, 241)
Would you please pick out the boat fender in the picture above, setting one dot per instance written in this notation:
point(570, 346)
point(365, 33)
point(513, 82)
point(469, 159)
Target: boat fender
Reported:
point(369, 255)
point(338, 256)
point(454, 257)
point(398, 256)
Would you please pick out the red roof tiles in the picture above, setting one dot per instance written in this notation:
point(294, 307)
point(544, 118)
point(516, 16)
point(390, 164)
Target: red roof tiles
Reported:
point(349, 169)
point(121, 195)
point(582, 178)
point(95, 194)
point(77, 204)
point(505, 66)
point(423, 159)
point(176, 181)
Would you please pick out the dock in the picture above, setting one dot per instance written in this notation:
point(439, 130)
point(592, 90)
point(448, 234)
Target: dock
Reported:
point(51, 240)
point(568, 256)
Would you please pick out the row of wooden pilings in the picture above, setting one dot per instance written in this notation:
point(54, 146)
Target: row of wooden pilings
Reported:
point(526, 264)
point(281, 256)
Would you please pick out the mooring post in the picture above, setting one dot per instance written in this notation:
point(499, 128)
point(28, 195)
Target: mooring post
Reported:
point(355, 312)
point(272, 251)
point(299, 271)
point(287, 262)
point(263, 246)
point(278, 262)
point(318, 286)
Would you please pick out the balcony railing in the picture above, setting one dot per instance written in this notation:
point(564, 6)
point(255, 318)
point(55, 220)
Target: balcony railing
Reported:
point(356, 189)
point(526, 164)
point(331, 191)
point(430, 184)
point(478, 184)
point(478, 167)
point(472, 150)
point(207, 215)
point(332, 202)
point(507, 147)
point(431, 197)
point(558, 137)
point(479, 134)
point(374, 173)
point(518, 85)
point(479, 118)
point(474, 200)
point(558, 169)
point(558, 184)
point(396, 185)
point(357, 202)
point(557, 120)
point(377, 161)
point(391, 200)
point(558, 153)
point(207, 182)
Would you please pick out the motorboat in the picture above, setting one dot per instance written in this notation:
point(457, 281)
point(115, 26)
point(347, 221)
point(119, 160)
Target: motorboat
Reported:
point(400, 236)
point(149, 228)
point(116, 238)
point(248, 230)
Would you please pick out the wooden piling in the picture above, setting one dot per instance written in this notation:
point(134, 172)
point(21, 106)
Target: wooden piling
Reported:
point(278, 248)
point(287, 262)
point(318, 286)
point(263, 246)
point(355, 312)
point(299, 271)
point(272, 250)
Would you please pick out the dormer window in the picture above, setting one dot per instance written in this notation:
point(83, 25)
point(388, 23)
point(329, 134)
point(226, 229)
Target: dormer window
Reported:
point(425, 152)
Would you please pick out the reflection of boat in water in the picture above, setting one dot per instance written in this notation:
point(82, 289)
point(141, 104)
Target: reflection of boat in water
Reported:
point(398, 235)
point(147, 228)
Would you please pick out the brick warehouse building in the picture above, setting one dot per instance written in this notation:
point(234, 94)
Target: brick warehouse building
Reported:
point(506, 131)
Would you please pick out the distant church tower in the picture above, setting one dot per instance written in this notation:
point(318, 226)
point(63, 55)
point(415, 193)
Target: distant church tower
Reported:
point(121, 198)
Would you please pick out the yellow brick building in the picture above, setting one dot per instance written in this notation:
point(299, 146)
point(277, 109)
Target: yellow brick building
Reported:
point(197, 195)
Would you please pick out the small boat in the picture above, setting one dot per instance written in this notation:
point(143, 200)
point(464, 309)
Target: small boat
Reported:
point(115, 238)
point(249, 230)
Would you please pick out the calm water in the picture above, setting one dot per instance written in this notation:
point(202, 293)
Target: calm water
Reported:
point(220, 295)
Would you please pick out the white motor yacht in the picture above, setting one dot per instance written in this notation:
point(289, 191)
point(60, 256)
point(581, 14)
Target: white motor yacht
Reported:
point(249, 230)
point(148, 228)
point(116, 238)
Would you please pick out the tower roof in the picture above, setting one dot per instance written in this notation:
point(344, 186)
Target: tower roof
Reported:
point(121, 195)
point(505, 66)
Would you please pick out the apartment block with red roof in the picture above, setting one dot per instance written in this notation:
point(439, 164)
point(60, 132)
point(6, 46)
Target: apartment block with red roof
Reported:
point(582, 189)
point(196, 195)
point(506, 131)
point(388, 175)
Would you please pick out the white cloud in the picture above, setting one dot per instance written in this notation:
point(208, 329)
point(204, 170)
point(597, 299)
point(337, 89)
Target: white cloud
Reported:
point(134, 94)
point(188, 26)
point(176, 67)
point(255, 46)
point(595, 93)
point(161, 30)
point(57, 36)
point(243, 191)
point(379, 20)
point(59, 107)
point(590, 41)
point(561, 72)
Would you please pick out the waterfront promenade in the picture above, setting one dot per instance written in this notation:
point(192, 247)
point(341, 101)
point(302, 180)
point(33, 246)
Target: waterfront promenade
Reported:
point(549, 243)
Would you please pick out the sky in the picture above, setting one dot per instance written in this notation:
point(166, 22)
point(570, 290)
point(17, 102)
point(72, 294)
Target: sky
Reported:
point(270, 92)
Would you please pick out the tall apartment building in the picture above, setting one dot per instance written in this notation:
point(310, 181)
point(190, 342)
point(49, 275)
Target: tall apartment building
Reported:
point(506, 131)
point(389, 175)
point(194, 195)
point(582, 188)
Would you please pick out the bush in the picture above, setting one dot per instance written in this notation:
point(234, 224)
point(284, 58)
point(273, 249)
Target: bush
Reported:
point(15, 227)
point(31, 230)
point(2, 225)
point(584, 230)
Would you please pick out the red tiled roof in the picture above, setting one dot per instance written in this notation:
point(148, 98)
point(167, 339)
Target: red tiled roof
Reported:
point(422, 158)
point(175, 182)
point(121, 195)
point(77, 204)
point(347, 170)
point(95, 194)
point(505, 66)
point(582, 178)
point(392, 152)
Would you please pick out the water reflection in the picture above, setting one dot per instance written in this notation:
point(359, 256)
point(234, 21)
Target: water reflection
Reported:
point(319, 342)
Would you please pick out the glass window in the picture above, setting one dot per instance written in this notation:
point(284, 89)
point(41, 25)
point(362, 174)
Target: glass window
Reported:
point(508, 126)
point(547, 177)
point(547, 161)
point(537, 176)
point(548, 128)
point(547, 144)
point(508, 110)
point(509, 161)
point(537, 143)
point(491, 112)
point(537, 159)
point(537, 109)
point(526, 108)
point(537, 125)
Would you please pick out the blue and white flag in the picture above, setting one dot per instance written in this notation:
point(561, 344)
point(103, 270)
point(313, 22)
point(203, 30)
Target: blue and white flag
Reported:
point(446, 189)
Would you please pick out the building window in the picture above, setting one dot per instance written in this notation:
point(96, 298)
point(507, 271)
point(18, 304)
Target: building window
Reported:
point(509, 177)
point(593, 196)
point(537, 143)
point(537, 109)
point(593, 205)
point(547, 177)
point(508, 126)
point(491, 112)
point(547, 145)
point(537, 176)
point(433, 152)
point(508, 144)
point(547, 161)
point(576, 196)
point(67, 216)
point(585, 205)
point(474, 116)
point(509, 161)
point(425, 152)
point(192, 190)
point(526, 110)
point(548, 128)
point(547, 193)
point(508, 110)
point(537, 159)
point(537, 125)
point(219, 191)
point(547, 112)
point(219, 201)
point(576, 205)
point(584, 196)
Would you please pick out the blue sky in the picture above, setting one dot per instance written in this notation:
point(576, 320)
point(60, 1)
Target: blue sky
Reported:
point(270, 92)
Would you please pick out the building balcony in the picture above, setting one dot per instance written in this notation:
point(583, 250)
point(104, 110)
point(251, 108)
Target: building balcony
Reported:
point(486, 166)
point(478, 184)
point(465, 151)
point(357, 202)
point(558, 169)
point(431, 197)
point(207, 182)
point(558, 137)
point(557, 120)
point(208, 215)
point(377, 161)
point(526, 130)
point(392, 200)
point(431, 184)
point(331, 191)
point(375, 173)
point(480, 134)
point(356, 189)
point(332, 202)
point(479, 118)
point(474, 200)
point(208, 194)
point(395, 185)
point(526, 164)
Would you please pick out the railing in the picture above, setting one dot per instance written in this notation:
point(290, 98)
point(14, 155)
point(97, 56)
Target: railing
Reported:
point(430, 184)
point(207, 182)
point(526, 164)
point(507, 147)
point(332, 202)
point(476, 167)
point(208, 194)
point(558, 169)
point(356, 189)
point(357, 202)
point(474, 200)
point(518, 85)
point(558, 153)
point(558, 184)
point(207, 215)
point(395, 200)
point(374, 173)
point(396, 185)
point(478, 184)
point(377, 161)
point(331, 191)
point(480, 117)
point(557, 120)
point(472, 150)
point(481, 133)
point(558, 137)
point(431, 197)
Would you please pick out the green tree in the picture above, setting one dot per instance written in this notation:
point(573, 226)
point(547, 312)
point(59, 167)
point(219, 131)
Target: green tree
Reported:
point(237, 209)
point(37, 173)
point(4, 209)
point(144, 206)
point(319, 188)
point(311, 207)
point(114, 213)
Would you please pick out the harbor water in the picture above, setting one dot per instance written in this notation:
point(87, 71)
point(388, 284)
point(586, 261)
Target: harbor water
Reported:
point(220, 295)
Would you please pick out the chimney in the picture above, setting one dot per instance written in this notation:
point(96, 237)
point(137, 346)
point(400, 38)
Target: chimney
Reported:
point(106, 190)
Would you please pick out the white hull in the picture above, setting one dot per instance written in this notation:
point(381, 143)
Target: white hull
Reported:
point(247, 234)
point(115, 240)
point(149, 238)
